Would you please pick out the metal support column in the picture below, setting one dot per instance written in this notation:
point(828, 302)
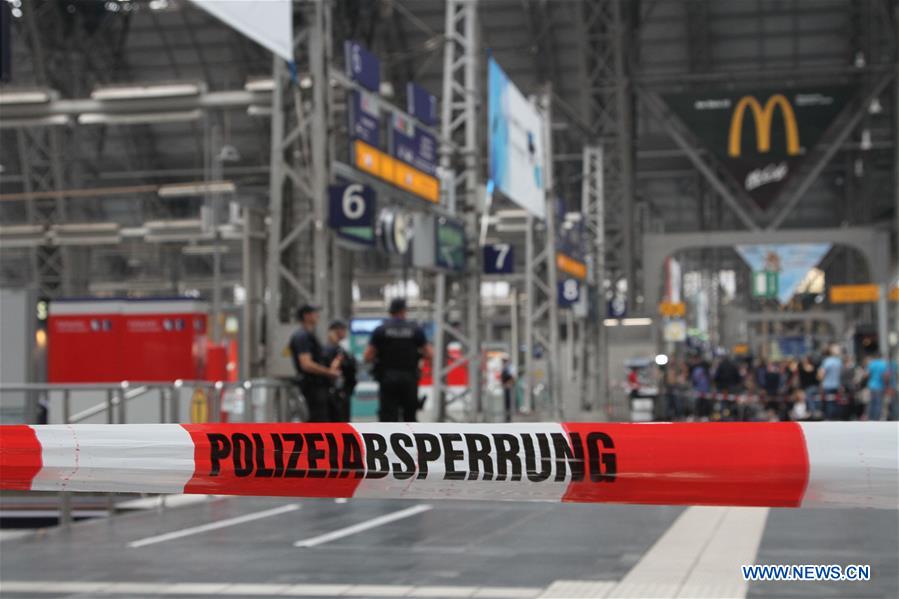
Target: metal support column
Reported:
point(607, 108)
point(40, 157)
point(541, 316)
point(896, 183)
point(459, 194)
point(554, 368)
point(298, 244)
point(595, 380)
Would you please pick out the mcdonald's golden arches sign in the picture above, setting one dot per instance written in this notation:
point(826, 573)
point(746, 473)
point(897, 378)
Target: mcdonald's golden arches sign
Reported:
point(760, 136)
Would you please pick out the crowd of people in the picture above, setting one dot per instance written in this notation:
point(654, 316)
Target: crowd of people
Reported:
point(832, 386)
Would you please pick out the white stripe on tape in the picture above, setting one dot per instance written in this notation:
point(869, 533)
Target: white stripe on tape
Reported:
point(436, 486)
point(852, 463)
point(152, 458)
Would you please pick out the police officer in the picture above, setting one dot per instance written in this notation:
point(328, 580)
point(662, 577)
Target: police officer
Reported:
point(341, 389)
point(315, 374)
point(395, 348)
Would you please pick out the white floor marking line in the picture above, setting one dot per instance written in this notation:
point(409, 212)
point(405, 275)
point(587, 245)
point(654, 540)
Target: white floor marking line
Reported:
point(698, 556)
point(578, 589)
point(157, 501)
point(717, 572)
point(214, 526)
point(363, 526)
point(267, 590)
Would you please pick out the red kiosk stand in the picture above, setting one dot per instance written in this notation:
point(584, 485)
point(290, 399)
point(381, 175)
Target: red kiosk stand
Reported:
point(110, 340)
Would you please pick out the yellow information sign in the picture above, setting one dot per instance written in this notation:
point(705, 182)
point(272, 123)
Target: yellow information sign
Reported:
point(570, 266)
point(673, 309)
point(199, 406)
point(383, 166)
point(854, 294)
point(894, 294)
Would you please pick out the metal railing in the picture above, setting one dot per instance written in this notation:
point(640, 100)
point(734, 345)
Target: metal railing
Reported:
point(253, 400)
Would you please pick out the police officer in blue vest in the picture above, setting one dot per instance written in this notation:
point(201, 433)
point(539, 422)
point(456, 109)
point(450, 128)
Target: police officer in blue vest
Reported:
point(396, 347)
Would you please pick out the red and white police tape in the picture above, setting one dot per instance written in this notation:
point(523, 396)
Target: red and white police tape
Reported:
point(835, 464)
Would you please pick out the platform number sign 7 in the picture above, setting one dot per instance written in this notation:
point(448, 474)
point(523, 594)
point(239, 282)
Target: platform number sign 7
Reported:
point(499, 259)
point(351, 212)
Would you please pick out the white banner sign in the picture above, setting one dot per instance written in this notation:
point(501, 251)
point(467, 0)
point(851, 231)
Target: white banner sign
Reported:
point(268, 23)
point(517, 159)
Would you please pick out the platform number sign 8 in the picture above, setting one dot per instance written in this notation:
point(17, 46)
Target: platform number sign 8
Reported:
point(569, 292)
point(499, 258)
point(351, 212)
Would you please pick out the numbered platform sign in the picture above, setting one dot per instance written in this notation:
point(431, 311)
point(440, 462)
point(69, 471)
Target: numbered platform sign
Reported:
point(351, 212)
point(569, 292)
point(499, 259)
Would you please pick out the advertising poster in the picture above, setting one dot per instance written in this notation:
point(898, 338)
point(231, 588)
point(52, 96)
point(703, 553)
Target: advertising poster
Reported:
point(516, 164)
point(791, 262)
point(760, 136)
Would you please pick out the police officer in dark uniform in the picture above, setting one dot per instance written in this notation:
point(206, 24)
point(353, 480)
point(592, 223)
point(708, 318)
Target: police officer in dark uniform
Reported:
point(395, 349)
point(341, 390)
point(314, 373)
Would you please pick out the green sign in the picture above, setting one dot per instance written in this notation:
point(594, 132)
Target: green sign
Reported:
point(450, 244)
point(765, 284)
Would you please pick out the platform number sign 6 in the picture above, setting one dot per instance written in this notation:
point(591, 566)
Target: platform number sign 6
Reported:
point(353, 204)
point(351, 212)
point(499, 258)
point(569, 292)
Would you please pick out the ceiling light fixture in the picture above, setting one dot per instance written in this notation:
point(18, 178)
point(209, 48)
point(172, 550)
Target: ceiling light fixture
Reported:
point(9, 97)
point(144, 91)
point(43, 121)
point(137, 118)
point(184, 190)
point(259, 84)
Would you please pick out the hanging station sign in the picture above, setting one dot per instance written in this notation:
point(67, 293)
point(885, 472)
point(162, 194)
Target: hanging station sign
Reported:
point(362, 66)
point(351, 212)
point(571, 258)
point(411, 163)
point(413, 145)
point(421, 104)
point(569, 292)
point(760, 136)
point(499, 259)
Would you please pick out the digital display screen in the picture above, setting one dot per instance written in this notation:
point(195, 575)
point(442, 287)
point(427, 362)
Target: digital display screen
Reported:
point(450, 244)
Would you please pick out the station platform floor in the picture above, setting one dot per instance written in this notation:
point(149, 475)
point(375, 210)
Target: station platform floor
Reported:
point(261, 547)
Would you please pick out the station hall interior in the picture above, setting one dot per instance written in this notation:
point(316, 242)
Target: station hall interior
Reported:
point(581, 211)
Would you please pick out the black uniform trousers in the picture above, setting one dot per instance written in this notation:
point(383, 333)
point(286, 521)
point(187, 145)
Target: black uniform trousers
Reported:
point(398, 394)
point(317, 400)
